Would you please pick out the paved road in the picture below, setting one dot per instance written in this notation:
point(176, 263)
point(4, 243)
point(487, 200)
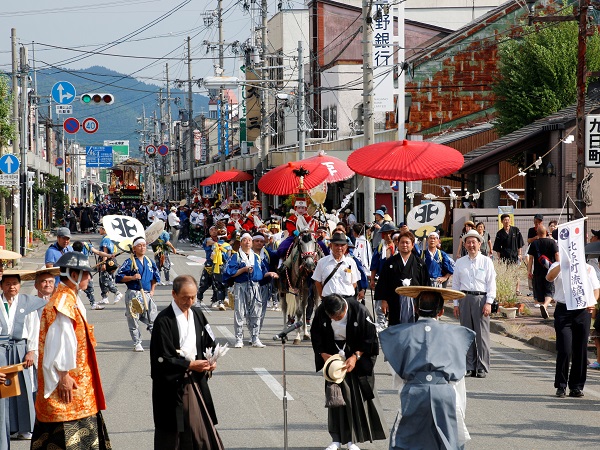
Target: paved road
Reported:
point(514, 408)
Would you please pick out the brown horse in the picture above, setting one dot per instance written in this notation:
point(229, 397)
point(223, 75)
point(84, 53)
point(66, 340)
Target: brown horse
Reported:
point(295, 280)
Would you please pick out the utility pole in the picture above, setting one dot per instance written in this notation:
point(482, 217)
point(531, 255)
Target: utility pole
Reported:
point(301, 126)
point(369, 119)
point(222, 117)
point(169, 137)
point(161, 140)
point(24, 149)
point(190, 146)
point(400, 102)
point(16, 219)
point(264, 103)
point(580, 14)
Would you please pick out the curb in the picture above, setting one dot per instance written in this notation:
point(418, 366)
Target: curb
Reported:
point(498, 327)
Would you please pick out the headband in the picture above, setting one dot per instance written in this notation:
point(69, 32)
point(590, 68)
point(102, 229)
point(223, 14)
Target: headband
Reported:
point(246, 235)
point(139, 240)
point(258, 237)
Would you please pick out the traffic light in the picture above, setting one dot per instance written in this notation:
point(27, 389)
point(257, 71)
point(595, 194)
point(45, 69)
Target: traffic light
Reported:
point(97, 99)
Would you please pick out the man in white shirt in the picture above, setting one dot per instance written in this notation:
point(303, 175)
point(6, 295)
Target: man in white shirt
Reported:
point(174, 225)
point(19, 333)
point(572, 332)
point(474, 274)
point(161, 213)
point(337, 273)
point(152, 214)
point(196, 227)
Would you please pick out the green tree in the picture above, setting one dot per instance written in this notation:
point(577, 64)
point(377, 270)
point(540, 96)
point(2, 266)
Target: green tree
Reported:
point(55, 186)
point(7, 130)
point(537, 74)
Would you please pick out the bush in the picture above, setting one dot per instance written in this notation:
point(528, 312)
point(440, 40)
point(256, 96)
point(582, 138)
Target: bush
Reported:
point(506, 283)
point(447, 244)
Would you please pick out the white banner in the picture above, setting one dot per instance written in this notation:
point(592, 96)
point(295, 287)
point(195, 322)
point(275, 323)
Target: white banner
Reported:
point(198, 145)
point(383, 57)
point(577, 287)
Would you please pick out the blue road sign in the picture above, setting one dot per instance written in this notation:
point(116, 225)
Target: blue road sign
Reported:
point(59, 162)
point(163, 150)
point(98, 156)
point(68, 170)
point(9, 164)
point(63, 93)
point(71, 125)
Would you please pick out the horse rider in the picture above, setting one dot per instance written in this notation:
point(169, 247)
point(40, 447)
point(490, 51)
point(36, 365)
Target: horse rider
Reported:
point(235, 219)
point(300, 219)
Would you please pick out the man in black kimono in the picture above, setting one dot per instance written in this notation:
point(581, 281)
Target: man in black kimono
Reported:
point(184, 414)
point(343, 326)
point(402, 269)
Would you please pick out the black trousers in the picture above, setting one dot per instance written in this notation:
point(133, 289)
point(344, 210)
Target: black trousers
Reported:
point(572, 333)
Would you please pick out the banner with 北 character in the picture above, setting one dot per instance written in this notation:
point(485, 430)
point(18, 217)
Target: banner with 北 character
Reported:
point(577, 287)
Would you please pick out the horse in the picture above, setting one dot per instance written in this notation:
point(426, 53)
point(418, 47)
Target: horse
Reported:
point(295, 279)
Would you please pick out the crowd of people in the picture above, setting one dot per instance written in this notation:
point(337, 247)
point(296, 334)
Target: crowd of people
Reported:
point(247, 266)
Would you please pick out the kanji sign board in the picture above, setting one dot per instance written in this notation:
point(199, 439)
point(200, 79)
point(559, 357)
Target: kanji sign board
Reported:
point(592, 140)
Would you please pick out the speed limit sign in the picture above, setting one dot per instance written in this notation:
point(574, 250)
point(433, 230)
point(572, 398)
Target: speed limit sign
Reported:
point(90, 125)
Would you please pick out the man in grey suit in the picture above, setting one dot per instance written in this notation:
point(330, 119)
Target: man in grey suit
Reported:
point(474, 274)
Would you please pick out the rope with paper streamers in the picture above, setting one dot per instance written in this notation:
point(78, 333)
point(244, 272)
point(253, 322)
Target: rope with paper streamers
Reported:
point(452, 196)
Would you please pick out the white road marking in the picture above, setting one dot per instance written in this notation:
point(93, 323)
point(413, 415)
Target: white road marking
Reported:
point(193, 264)
point(226, 333)
point(271, 382)
point(544, 372)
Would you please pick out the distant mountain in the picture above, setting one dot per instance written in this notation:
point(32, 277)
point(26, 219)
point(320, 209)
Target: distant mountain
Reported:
point(119, 120)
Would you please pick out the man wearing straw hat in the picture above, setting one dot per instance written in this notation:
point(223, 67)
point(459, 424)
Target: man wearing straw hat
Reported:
point(44, 282)
point(474, 274)
point(429, 358)
point(19, 325)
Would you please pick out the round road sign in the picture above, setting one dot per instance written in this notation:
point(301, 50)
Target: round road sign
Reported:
point(90, 125)
point(150, 150)
point(163, 150)
point(59, 161)
point(71, 125)
point(68, 170)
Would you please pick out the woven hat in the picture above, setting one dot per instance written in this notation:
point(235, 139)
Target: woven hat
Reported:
point(20, 273)
point(414, 291)
point(54, 271)
point(473, 233)
point(334, 369)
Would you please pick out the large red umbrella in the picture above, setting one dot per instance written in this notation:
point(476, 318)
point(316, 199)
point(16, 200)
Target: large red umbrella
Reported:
point(338, 169)
point(405, 160)
point(216, 178)
point(240, 175)
point(226, 176)
point(285, 179)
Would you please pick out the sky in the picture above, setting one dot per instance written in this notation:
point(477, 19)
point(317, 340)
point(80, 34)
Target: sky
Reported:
point(137, 32)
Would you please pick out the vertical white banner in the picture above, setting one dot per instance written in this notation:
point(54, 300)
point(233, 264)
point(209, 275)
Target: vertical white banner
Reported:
point(383, 57)
point(576, 285)
point(197, 145)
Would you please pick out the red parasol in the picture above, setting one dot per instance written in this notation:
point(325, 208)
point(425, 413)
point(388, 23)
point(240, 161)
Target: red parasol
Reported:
point(405, 160)
point(227, 176)
point(338, 169)
point(286, 179)
point(240, 175)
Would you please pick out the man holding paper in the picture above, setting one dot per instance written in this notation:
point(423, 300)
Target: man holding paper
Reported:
point(181, 341)
point(576, 289)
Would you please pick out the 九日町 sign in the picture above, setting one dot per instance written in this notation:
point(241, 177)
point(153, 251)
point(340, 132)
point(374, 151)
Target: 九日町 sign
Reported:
point(592, 140)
